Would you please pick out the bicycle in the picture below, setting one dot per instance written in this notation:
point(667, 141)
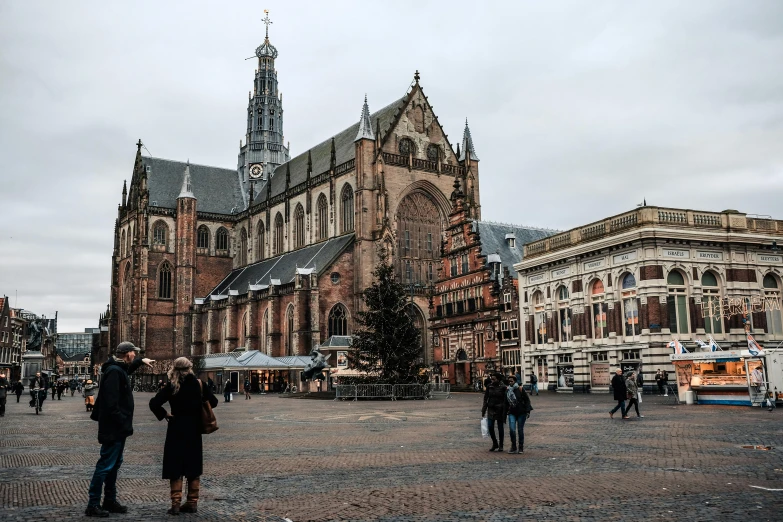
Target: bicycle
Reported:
point(37, 399)
point(290, 389)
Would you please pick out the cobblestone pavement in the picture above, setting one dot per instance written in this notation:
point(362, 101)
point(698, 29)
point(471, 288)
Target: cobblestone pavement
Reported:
point(413, 461)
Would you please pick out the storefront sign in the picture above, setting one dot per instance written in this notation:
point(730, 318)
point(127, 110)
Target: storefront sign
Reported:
point(560, 272)
point(600, 374)
point(770, 259)
point(598, 263)
point(679, 254)
point(709, 356)
point(622, 258)
point(730, 306)
point(536, 278)
point(342, 359)
point(710, 256)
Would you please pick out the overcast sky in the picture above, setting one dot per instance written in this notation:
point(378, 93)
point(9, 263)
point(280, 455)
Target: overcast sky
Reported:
point(578, 110)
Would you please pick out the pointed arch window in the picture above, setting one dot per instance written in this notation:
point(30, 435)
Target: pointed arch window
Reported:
point(164, 281)
point(278, 234)
point(260, 242)
point(290, 331)
point(299, 227)
point(347, 208)
point(772, 296)
point(338, 320)
point(202, 240)
point(263, 346)
point(127, 301)
point(677, 303)
point(221, 240)
point(323, 218)
point(160, 233)
point(122, 245)
point(711, 303)
point(242, 254)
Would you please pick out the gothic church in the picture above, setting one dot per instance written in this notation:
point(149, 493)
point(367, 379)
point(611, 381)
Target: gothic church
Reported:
point(272, 256)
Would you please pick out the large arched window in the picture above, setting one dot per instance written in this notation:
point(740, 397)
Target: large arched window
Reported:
point(338, 320)
point(127, 302)
point(564, 313)
point(160, 233)
point(677, 303)
point(772, 297)
point(260, 242)
point(600, 311)
point(630, 307)
point(347, 209)
point(711, 303)
point(539, 317)
point(221, 240)
point(322, 218)
point(418, 236)
point(299, 227)
point(242, 254)
point(289, 349)
point(202, 239)
point(164, 281)
point(278, 234)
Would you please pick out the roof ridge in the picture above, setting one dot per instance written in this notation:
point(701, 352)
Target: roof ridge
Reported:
point(542, 229)
point(188, 162)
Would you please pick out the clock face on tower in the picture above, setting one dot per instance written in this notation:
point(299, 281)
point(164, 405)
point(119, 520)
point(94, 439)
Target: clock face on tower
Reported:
point(256, 171)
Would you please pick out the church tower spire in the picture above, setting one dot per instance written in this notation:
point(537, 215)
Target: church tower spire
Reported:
point(365, 125)
point(467, 144)
point(264, 145)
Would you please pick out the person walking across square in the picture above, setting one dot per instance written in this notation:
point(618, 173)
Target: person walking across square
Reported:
point(18, 389)
point(495, 408)
point(5, 387)
point(633, 393)
point(620, 393)
point(114, 413)
point(533, 383)
point(518, 407)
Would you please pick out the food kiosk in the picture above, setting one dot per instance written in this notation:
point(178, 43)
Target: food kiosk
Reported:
point(721, 377)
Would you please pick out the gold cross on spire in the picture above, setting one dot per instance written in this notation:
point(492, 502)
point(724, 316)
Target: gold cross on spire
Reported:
point(266, 21)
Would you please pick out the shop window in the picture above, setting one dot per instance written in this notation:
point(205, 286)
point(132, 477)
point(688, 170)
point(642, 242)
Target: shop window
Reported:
point(772, 296)
point(564, 314)
point(630, 307)
point(600, 311)
point(677, 303)
point(539, 318)
point(711, 303)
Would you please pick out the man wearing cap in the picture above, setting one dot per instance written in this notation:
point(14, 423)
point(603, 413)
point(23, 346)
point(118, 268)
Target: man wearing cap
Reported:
point(114, 413)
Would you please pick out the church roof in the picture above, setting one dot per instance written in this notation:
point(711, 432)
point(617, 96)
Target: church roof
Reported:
point(345, 150)
point(282, 269)
point(493, 240)
point(217, 190)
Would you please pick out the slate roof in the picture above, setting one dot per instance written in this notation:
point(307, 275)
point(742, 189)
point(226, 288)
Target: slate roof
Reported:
point(321, 154)
point(253, 359)
point(493, 240)
point(338, 341)
point(318, 256)
point(216, 190)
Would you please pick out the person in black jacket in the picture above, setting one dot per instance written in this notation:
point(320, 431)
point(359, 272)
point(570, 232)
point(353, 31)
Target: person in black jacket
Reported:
point(495, 408)
point(39, 382)
point(518, 406)
point(4, 389)
point(620, 393)
point(182, 452)
point(114, 413)
point(18, 389)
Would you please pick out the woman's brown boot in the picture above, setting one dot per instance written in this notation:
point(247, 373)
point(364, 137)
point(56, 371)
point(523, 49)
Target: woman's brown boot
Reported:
point(176, 496)
point(191, 506)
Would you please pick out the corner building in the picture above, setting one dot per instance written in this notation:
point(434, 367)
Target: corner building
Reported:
point(614, 293)
point(273, 255)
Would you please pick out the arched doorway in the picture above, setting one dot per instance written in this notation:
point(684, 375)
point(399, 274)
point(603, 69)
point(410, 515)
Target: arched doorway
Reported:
point(420, 323)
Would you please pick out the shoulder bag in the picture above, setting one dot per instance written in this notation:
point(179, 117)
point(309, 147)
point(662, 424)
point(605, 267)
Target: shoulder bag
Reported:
point(208, 420)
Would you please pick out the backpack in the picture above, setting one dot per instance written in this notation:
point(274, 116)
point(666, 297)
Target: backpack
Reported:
point(534, 379)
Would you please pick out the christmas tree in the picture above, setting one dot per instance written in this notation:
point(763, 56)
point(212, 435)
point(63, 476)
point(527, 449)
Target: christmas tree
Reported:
point(387, 345)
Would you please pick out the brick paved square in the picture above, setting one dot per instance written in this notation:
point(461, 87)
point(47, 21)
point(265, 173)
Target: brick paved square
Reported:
point(413, 461)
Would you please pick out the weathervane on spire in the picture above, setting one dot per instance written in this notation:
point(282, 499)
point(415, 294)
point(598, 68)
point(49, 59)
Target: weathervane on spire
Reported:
point(266, 21)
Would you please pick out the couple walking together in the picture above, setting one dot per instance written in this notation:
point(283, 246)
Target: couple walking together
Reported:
point(625, 387)
point(182, 452)
point(501, 401)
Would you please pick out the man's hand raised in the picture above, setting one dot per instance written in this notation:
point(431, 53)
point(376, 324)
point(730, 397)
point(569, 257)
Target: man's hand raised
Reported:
point(148, 362)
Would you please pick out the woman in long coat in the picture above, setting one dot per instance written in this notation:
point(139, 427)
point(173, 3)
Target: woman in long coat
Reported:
point(182, 453)
point(495, 409)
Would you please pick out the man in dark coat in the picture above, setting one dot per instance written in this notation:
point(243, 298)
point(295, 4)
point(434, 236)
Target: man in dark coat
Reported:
point(18, 389)
point(114, 413)
point(39, 382)
point(60, 389)
point(495, 408)
point(4, 388)
point(620, 393)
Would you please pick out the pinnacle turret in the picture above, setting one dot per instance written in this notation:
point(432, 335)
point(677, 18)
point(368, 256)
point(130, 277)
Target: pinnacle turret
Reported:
point(187, 188)
point(365, 125)
point(467, 144)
